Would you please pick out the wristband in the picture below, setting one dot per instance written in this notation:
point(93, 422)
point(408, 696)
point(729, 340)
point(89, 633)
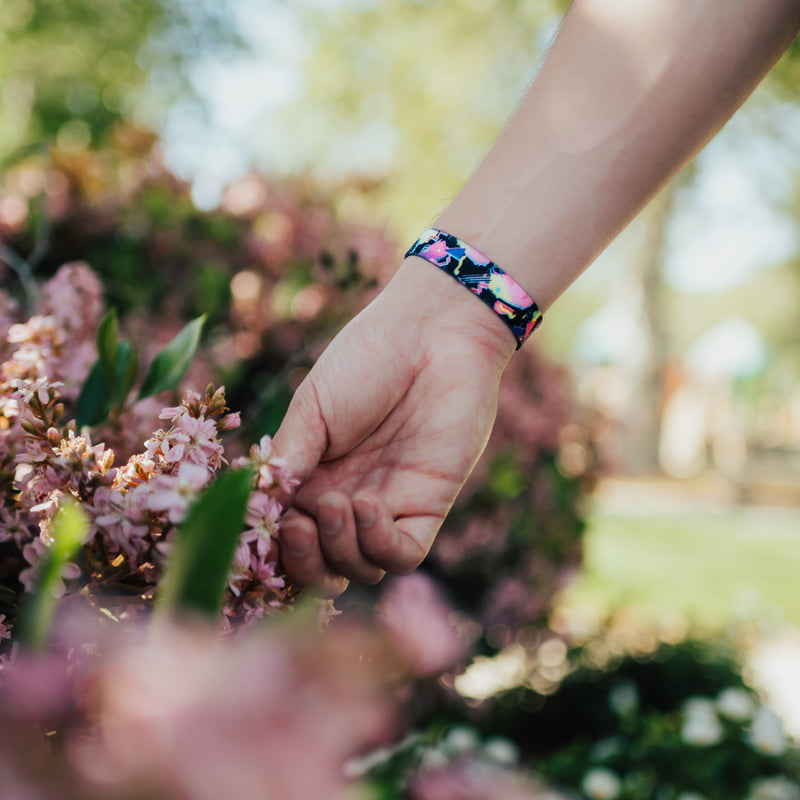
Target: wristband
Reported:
point(483, 278)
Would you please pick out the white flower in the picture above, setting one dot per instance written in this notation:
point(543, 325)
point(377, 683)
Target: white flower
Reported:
point(690, 796)
point(601, 784)
point(697, 707)
point(701, 726)
point(501, 751)
point(735, 704)
point(460, 739)
point(701, 732)
point(778, 787)
point(766, 733)
point(624, 698)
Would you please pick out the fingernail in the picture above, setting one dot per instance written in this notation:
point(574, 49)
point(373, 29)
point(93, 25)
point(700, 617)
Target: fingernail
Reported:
point(332, 520)
point(365, 513)
point(298, 552)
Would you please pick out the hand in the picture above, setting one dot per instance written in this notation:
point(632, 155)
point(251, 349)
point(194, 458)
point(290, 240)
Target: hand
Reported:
point(386, 427)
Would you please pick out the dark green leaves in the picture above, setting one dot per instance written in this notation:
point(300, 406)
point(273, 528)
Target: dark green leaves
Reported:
point(94, 401)
point(198, 567)
point(114, 374)
point(170, 365)
point(107, 335)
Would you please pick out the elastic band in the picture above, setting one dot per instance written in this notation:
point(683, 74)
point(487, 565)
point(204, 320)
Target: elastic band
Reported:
point(483, 278)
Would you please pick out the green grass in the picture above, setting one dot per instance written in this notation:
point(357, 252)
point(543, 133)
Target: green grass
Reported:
point(712, 569)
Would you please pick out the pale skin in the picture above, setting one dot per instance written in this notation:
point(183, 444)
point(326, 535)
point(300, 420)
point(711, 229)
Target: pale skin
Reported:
point(389, 423)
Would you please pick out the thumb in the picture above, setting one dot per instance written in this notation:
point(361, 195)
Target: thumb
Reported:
point(302, 438)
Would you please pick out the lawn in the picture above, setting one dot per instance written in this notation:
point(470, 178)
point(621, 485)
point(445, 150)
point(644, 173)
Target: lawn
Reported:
point(711, 568)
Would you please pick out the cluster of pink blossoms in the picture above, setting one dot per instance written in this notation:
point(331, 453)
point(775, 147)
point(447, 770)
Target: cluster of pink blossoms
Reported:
point(134, 507)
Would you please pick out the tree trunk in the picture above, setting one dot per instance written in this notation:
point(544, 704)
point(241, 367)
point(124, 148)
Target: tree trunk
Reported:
point(647, 367)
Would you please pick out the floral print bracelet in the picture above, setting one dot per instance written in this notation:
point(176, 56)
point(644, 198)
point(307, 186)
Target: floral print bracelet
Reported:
point(483, 278)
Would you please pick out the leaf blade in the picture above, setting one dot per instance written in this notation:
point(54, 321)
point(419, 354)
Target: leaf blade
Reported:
point(170, 365)
point(107, 335)
point(69, 528)
point(198, 566)
point(94, 401)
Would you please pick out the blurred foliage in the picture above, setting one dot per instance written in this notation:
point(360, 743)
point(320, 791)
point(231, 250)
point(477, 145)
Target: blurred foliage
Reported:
point(413, 92)
point(786, 75)
point(634, 718)
point(71, 70)
point(273, 269)
point(514, 536)
point(618, 715)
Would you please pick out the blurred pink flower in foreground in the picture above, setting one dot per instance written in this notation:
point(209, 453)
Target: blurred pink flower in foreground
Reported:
point(416, 617)
point(178, 713)
point(477, 780)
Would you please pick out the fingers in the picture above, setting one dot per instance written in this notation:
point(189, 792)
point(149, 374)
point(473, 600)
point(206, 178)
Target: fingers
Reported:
point(302, 559)
point(356, 541)
point(385, 543)
point(339, 541)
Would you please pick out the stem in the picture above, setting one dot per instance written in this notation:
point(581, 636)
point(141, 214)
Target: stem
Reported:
point(23, 271)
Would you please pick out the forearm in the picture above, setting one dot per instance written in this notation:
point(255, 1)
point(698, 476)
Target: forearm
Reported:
point(628, 94)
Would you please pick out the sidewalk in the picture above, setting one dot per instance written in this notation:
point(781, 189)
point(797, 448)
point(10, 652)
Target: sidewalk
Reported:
point(659, 494)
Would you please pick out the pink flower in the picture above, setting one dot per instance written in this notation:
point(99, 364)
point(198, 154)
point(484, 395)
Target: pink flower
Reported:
point(16, 525)
point(477, 780)
point(33, 552)
point(40, 388)
point(174, 494)
point(271, 469)
point(73, 297)
point(263, 513)
point(416, 617)
point(173, 412)
point(286, 699)
point(194, 439)
point(157, 445)
point(120, 519)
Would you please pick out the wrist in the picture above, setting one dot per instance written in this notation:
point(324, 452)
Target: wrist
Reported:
point(451, 310)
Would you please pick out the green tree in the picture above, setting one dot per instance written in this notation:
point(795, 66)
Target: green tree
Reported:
point(412, 93)
point(70, 69)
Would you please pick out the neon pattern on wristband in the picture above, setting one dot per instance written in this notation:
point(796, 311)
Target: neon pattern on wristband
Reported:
point(483, 278)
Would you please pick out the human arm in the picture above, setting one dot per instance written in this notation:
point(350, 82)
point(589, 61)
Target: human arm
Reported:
point(395, 413)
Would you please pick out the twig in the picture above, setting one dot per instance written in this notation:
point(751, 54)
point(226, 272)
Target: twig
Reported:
point(22, 269)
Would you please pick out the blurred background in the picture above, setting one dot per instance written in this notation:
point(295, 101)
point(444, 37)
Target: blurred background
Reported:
point(267, 162)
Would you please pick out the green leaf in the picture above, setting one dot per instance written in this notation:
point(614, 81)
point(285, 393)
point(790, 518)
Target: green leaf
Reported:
point(197, 569)
point(170, 365)
point(36, 618)
point(127, 370)
point(94, 400)
point(107, 334)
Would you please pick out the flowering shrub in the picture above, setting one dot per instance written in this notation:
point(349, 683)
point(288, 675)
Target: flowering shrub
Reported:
point(678, 723)
point(278, 271)
point(135, 507)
